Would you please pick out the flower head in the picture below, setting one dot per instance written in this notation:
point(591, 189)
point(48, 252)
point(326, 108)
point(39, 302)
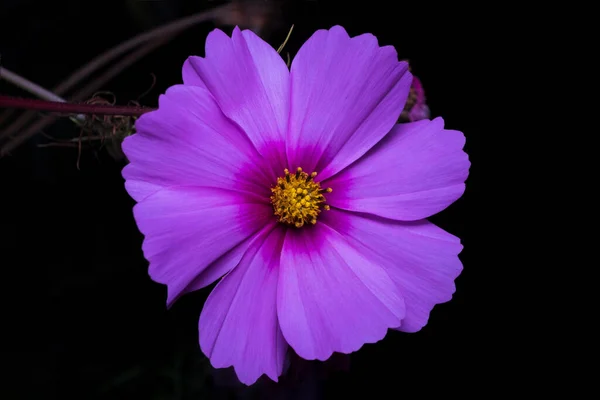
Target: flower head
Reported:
point(298, 190)
point(415, 108)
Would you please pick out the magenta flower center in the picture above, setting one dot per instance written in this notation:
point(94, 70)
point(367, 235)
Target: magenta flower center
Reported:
point(297, 199)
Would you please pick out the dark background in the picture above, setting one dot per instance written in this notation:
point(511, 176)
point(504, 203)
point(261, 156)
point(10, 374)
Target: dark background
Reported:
point(82, 319)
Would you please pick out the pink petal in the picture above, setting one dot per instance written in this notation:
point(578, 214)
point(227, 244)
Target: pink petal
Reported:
point(330, 297)
point(419, 257)
point(416, 171)
point(189, 231)
point(188, 72)
point(238, 325)
point(346, 95)
point(250, 82)
point(212, 272)
point(188, 141)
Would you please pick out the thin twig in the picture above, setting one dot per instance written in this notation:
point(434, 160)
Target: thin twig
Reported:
point(58, 144)
point(71, 108)
point(286, 39)
point(82, 94)
point(166, 32)
point(116, 69)
point(160, 32)
point(18, 123)
point(29, 86)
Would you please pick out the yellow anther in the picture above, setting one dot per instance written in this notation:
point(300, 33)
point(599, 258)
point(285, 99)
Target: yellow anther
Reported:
point(297, 199)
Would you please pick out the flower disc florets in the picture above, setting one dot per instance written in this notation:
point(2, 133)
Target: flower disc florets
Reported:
point(297, 199)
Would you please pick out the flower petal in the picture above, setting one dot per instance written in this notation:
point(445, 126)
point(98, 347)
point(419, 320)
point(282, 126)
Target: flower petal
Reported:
point(330, 297)
point(188, 141)
point(346, 95)
point(419, 257)
point(189, 74)
point(238, 325)
point(188, 229)
point(214, 271)
point(416, 171)
point(250, 82)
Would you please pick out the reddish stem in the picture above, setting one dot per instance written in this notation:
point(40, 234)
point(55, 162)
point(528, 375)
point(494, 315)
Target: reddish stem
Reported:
point(71, 108)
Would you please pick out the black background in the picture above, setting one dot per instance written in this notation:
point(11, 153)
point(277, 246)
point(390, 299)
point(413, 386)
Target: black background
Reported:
point(82, 319)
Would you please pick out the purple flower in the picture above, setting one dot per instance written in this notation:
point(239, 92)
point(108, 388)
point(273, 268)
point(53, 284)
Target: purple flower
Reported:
point(415, 108)
point(304, 266)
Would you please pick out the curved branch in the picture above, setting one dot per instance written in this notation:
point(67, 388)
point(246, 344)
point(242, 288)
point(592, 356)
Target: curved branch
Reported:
point(71, 108)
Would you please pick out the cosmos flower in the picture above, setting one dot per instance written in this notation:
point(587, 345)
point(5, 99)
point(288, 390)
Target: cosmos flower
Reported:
point(415, 108)
point(296, 188)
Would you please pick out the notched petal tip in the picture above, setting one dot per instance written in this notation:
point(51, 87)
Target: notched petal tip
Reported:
point(366, 302)
point(250, 83)
point(430, 170)
point(338, 29)
point(419, 257)
point(216, 34)
point(366, 109)
point(127, 143)
point(238, 325)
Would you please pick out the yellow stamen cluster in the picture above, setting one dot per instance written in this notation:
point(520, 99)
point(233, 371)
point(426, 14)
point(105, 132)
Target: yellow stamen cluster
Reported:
point(297, 199)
